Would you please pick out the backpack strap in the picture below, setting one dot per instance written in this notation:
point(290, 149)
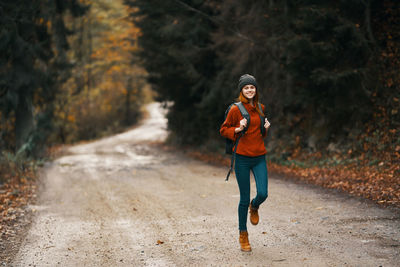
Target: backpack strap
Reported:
point(245, 114)
point(262, 118)
point(233, 157)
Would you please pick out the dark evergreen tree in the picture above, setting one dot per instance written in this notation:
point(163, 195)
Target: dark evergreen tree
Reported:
point(177, 53)
point(33, 44)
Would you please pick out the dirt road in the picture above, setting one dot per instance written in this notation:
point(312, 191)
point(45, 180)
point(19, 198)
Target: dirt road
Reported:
point(122, 201)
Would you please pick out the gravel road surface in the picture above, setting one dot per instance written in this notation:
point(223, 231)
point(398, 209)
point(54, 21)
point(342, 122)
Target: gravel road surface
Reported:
point(125, 201)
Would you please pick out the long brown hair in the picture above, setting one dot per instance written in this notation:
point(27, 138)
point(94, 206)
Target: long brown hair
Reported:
point(243, 99)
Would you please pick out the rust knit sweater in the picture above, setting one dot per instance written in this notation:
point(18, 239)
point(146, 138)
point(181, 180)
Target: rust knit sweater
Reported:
point(252, 142)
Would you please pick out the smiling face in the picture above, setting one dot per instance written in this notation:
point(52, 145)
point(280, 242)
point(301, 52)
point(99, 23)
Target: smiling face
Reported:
point(249, 91)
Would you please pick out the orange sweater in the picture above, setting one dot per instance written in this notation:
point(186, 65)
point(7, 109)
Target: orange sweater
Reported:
point(252, 142)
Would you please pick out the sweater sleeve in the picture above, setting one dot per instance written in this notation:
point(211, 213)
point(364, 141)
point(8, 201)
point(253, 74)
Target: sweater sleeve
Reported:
point(231, 122)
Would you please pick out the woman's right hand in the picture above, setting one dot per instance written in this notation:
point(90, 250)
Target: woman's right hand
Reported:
point(243, 124)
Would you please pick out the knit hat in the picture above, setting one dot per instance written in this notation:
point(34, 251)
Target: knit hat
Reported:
point(246, 79)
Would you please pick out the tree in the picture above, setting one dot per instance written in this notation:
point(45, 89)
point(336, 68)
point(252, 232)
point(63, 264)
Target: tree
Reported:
point(33, 43)
point(103, 94)
point(177, 53)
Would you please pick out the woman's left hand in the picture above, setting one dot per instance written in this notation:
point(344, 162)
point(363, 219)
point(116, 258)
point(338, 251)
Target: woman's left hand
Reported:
point(267, 124)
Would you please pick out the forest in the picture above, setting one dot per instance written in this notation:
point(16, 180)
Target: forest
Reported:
point(327, 69)
point(328, 74)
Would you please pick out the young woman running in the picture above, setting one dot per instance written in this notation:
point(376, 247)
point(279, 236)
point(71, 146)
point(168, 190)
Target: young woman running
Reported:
point(250, 154)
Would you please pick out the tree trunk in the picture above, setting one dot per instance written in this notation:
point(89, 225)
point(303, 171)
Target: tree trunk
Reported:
point(128, 102)
point(368, 20)
point(89, 83)
point(23, 120)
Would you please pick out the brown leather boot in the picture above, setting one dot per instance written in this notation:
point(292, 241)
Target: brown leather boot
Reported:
point(244, 241)
point(254, 218)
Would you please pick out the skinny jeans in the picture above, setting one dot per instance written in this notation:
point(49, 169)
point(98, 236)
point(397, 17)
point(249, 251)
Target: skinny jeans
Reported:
point(243, 166)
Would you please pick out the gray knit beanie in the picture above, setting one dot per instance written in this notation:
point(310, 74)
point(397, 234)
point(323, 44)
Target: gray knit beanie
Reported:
point(246, 79)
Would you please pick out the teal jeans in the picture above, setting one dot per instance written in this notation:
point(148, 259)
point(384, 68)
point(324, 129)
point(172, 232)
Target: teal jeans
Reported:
point(243, 166)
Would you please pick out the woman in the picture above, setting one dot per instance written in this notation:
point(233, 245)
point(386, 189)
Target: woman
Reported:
point(250, 154)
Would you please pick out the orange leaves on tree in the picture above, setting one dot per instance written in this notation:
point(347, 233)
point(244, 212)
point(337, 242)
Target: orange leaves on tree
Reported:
point(71, 118)
point(95, 99)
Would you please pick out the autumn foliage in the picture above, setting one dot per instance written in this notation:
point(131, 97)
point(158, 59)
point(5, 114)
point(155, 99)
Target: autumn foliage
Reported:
point(104, 93)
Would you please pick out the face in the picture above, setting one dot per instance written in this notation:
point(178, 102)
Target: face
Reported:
point(249, 91)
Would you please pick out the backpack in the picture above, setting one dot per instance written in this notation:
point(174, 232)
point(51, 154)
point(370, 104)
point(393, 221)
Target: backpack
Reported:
point(231, 145)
